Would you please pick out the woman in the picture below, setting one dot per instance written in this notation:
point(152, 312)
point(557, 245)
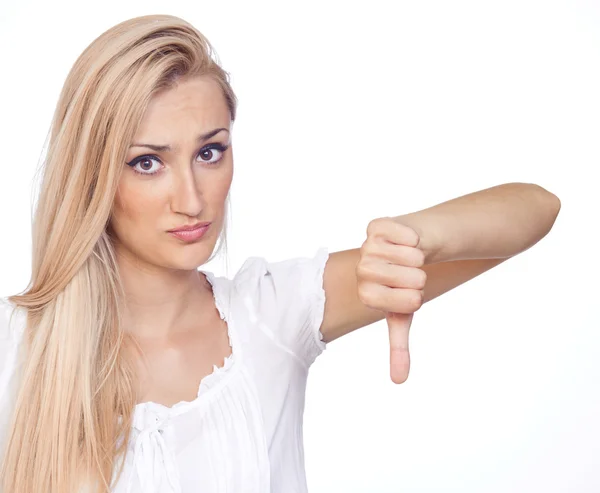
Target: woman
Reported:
point(125, 368)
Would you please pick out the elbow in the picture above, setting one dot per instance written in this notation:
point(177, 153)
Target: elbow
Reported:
point(550, 205)
point(551, 201)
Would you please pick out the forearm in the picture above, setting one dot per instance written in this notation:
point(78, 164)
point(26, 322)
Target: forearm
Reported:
point(497, 222)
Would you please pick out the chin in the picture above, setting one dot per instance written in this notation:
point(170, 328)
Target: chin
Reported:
point(190, 257)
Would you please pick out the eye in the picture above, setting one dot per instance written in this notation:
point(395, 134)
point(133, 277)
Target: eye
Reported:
point(145, 165)
point(212, 153)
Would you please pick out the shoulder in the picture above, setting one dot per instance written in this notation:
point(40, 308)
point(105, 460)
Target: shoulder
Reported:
point(285, 299)
point(288, 272)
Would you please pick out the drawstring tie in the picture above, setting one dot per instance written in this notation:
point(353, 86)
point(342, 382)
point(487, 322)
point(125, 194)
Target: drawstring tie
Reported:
point(152, 458)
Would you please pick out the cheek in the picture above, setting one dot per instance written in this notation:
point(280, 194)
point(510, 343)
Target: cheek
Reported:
point(134, 206)
point(223, 185)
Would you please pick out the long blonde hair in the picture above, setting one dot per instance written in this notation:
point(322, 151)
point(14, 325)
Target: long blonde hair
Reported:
point(74, 407)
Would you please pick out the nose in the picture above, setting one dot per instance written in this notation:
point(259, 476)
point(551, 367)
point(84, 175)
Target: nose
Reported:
point(186, 197)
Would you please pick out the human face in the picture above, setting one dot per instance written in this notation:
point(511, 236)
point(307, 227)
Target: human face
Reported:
point(183, 180)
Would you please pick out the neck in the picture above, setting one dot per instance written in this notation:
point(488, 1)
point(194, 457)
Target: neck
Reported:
point(160, 301)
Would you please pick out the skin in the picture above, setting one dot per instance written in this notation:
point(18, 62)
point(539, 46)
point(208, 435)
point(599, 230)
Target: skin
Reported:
point(169, 307)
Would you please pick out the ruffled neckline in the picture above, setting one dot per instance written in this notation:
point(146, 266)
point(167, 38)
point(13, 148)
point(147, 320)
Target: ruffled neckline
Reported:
point(209, 384)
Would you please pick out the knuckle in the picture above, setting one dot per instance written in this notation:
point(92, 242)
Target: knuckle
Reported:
point(374, 226)
point(415, 301)
point(363, 270)
point(363, 249)
point(420, 258)
point(365, 294)
point(371, 226)
point(366, 248)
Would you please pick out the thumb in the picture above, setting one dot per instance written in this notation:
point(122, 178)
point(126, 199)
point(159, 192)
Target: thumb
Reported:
point(399, 326)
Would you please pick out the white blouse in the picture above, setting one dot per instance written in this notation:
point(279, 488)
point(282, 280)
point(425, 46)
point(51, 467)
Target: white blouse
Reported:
point(243, 432)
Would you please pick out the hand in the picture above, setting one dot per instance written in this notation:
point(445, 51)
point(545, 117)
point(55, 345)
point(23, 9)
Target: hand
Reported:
point(390, 280)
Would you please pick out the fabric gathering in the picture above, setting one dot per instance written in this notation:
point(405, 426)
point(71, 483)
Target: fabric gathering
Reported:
point(244, 431)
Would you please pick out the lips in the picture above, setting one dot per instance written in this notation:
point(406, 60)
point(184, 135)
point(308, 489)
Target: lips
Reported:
point(191, 227)
point(192, 233)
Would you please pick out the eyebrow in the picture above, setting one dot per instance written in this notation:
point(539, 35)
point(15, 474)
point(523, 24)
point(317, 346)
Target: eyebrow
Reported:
point(167, 148)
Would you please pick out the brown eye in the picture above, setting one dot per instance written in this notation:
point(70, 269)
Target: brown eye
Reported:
point(212, 153)
point(207, 154)
point(145, 165)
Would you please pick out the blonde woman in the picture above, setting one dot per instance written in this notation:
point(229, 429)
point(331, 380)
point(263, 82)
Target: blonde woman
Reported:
point(126, 368)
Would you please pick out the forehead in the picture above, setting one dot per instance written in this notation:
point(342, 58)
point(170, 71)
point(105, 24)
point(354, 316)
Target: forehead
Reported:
point(191, 107)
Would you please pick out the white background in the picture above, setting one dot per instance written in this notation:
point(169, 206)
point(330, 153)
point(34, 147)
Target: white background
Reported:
point(351, 111)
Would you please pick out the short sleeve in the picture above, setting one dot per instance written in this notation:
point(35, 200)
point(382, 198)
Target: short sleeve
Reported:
point(12, 322)
point(287, 300)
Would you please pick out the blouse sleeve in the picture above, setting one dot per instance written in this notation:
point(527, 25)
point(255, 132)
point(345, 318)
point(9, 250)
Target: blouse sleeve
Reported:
point(11, 332)
point(288, 299)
